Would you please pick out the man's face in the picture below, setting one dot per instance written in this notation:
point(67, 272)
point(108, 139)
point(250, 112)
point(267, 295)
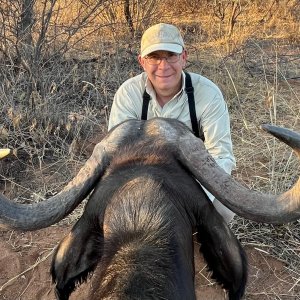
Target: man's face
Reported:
point(164, 69)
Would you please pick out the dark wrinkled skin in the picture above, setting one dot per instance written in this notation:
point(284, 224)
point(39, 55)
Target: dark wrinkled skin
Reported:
point(137, 232)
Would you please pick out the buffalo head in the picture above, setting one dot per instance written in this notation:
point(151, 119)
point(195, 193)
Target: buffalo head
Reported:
point(187, 149)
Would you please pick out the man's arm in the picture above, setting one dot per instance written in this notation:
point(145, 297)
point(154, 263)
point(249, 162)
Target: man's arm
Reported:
point(127, 104)
point(216, 127)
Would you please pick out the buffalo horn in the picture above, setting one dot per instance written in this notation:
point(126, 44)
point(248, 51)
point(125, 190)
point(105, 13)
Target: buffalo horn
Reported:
point(248, 203)
point(39, 215)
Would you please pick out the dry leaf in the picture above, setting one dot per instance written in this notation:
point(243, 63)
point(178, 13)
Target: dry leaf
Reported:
point(33, 125)
point(16, 120)
point(3, 132)
point(10, 113)
point(68, 126)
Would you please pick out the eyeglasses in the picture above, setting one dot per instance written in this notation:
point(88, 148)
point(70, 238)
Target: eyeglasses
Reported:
point(156, 60)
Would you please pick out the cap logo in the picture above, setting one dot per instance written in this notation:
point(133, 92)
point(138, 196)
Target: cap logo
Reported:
point(162, 35)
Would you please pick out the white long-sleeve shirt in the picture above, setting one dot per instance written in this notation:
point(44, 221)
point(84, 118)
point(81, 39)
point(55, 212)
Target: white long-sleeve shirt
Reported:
point(211, 111)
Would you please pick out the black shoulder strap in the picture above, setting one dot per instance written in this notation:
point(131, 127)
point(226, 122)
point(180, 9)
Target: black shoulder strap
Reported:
point(190, 93)
point(146, 99)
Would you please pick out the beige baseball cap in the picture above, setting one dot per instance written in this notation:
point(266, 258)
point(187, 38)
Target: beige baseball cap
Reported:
point(161, 37)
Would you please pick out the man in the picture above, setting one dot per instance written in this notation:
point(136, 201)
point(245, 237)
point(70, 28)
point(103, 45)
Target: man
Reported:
point(164, 90)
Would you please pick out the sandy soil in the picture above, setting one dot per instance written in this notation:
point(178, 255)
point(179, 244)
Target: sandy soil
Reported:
point(26, 257)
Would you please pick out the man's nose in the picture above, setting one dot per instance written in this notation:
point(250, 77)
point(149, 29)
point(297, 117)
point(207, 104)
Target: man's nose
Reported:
point(163, 62)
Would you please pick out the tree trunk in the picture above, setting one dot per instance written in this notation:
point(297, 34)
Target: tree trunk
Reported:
point(24, 32)
point(25, 47)
point(128, 16)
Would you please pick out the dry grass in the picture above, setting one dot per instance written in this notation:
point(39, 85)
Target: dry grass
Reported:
point(261, 90)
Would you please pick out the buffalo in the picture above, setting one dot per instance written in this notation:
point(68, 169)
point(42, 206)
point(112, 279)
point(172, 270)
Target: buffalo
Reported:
point(145, 208)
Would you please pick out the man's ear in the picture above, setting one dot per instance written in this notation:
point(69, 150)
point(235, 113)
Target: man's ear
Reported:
point(184, 57)
point(142, 61)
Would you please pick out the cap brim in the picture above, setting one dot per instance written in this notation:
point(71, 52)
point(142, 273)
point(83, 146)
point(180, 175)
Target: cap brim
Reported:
point(162, 47)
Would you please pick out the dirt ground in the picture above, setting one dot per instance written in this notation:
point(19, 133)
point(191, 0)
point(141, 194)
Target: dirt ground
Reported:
point(26, 257)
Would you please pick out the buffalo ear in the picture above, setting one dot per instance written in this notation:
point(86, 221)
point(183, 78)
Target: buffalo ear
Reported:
point(221, 250)
point(76, 256)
